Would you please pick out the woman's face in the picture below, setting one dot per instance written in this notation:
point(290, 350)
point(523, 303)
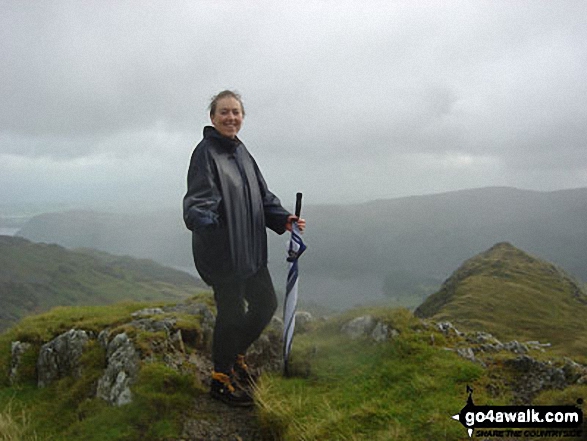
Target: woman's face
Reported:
point(228, 117)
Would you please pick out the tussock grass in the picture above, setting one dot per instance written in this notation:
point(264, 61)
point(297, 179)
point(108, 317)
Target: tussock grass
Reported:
point(15, 426)
point(403, 389)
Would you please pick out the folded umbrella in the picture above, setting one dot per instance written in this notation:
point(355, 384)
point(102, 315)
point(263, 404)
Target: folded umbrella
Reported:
point(295, 249)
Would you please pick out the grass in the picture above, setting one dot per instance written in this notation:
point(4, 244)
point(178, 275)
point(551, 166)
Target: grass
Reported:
point(15, 426)
point(36, 277)
point(513, 295)
point(404, 389)
point(67, 410)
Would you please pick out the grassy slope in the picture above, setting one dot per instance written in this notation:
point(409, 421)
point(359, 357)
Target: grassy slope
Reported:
point(404, 389)
point(35, 277)
point(513, 295)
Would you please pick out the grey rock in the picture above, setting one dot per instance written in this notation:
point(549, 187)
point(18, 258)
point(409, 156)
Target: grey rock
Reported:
point(383, 332)
point(483, 338)
point(380, 333)
point(17, 351)
point(147, 312)
point(104, 337)
point(489, 347)
point(466, 353)
point(265, 354)
point(515, 347)
point(359, 327)
point(537, 345)
point(123, 364)
point(152, 325)
point(533, 376)
point(303, 319)
point(574, 371)
point(276, 324)
point(204, 315)
point(60, 357)
point(469, 354)
point(176, 341)
point(447, 328)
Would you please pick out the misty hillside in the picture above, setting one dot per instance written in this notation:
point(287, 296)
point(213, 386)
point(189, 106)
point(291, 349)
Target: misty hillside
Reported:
point(36, 277)
point(401, 249)
point(514, 295)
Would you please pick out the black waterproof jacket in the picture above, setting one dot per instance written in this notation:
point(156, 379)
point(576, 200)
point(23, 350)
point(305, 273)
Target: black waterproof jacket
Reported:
point(227, 207)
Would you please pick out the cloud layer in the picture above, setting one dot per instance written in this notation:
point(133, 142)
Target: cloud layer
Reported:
point(347, 101)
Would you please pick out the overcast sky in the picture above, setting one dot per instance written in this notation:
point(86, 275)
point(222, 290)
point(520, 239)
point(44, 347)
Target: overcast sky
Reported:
point(104, 101)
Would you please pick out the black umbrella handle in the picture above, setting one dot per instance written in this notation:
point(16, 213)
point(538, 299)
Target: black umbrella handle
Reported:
point(298, 204)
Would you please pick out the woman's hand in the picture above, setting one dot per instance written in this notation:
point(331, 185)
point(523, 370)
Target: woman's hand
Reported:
point(301, 223)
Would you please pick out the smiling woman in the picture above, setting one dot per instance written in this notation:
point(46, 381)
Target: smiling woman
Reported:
point(227, 113)
point(228, 207)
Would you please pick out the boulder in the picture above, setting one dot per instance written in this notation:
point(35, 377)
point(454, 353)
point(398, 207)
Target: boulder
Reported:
point(303, 319)
point(17, 351)
point(147, 312)
point(60, 357)
point(359, 327)
point(533, 376)
point(266, 354)
point(206, 319)
point(123, 364)
point(447, 328)
point(516, 347)
point(383, 332)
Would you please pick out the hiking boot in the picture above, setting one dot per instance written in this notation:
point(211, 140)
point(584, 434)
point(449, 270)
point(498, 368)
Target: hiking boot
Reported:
point(242, 373)
point(223, 389)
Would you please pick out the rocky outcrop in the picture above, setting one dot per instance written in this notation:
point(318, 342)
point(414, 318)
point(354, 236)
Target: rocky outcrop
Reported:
point(531, 376)
point(18, 349)
point(121, 371)
point(180, 336)
point(368, 326)
point(60, 357)
point(535, 376)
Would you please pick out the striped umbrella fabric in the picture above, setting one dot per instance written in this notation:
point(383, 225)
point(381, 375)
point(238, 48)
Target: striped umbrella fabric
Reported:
point(295, 249)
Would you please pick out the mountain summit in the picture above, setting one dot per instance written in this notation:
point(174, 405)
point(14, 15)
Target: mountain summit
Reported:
point(513, 295)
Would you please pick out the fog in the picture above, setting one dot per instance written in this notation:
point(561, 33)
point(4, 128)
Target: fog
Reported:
point(103, 102)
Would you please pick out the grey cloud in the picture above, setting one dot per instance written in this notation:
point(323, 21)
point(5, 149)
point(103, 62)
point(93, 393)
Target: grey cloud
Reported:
point(413, 95)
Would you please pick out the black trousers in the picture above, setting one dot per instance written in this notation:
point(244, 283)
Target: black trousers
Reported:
point(244, 308)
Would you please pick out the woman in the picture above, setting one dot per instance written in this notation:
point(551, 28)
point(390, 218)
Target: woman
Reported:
point(228, 208)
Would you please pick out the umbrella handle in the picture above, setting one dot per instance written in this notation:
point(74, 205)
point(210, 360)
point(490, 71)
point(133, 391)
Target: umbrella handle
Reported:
point(298, 204)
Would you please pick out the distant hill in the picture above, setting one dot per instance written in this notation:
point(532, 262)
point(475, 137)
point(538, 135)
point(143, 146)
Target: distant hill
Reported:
point(397, 249)
point(36, 277)
point(514, 295)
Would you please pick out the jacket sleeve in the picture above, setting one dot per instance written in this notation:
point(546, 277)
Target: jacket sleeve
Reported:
point(202, 200)
point(275, 215)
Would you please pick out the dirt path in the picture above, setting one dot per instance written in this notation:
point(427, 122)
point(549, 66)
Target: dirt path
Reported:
point(213, 420)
